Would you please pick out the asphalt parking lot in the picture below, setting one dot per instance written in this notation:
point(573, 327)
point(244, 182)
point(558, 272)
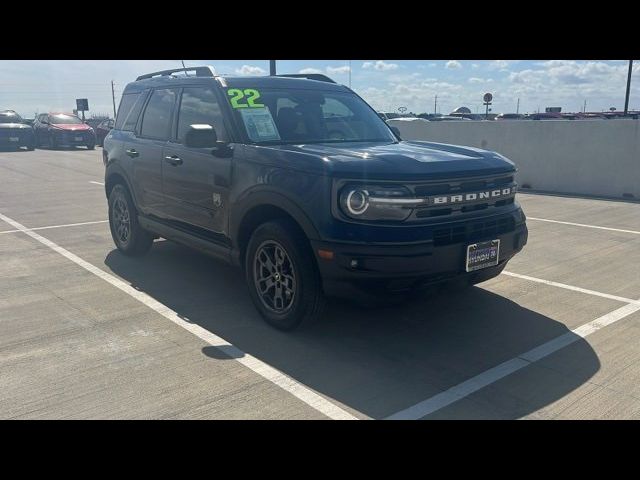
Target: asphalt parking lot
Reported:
point(88, 333)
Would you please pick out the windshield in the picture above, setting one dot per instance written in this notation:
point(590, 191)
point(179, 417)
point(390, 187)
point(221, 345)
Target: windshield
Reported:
point(10, 118)
point(65, 119)
point(306, 116)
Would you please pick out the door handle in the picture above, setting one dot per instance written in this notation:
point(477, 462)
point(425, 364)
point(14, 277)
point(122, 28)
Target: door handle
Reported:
point(173, 160)
point(132, 152)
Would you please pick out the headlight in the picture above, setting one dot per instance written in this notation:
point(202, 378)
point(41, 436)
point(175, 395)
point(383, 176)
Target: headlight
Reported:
point(377, 202)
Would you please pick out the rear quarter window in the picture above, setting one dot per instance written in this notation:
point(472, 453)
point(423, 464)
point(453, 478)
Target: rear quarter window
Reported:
point(129, 111)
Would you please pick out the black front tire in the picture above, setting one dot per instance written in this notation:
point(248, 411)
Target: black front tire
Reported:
point(91, 146)
point(130, 238)
point(308, 300)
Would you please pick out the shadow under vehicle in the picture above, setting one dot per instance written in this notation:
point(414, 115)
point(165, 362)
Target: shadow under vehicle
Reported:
point(375, 360)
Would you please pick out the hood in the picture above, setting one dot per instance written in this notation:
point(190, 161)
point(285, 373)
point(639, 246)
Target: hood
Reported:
point(403, 160)
point(14, 126)
point(74, 127)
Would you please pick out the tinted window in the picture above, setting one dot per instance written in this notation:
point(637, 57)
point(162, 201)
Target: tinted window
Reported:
point(62, 119)
point(199, 105)
point(307, 116)
point(157, 115)
point(10, 118)
point(129, 110)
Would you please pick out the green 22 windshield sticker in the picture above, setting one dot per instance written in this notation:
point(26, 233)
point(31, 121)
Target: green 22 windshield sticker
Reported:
point(248, 94)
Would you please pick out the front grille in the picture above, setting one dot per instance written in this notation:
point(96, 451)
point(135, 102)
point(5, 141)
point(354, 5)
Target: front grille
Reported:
point(440, 188)
point(452, 189)
point(474, 231)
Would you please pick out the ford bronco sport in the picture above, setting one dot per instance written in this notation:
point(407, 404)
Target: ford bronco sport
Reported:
point(300, 183)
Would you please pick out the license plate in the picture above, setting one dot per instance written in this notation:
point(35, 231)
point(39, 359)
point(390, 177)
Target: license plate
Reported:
point(14, 139)
point(482, 255)
point(78, 139)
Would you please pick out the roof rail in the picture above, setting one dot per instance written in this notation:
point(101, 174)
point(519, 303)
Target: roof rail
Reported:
point(310, 76)
point(205, 71)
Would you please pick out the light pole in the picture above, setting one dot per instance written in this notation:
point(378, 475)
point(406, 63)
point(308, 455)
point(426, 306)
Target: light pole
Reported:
point(272, 67)
point(626, 100)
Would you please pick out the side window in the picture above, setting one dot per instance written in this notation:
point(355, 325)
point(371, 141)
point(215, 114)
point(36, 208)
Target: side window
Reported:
point(129, 110)
point(199, 105)
point(157, 116)
point(335, 108)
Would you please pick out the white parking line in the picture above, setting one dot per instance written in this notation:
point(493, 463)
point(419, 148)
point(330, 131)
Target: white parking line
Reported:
point(635, 232)
point(96, 183)
point(466, 388)
point(56, 226)
point(288, 384)
point(571, 287)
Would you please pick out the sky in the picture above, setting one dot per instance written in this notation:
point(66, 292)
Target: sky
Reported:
point(30, 86)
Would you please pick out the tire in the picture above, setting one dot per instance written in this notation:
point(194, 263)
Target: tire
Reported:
point(91, 146)
point(31, 147)
point(295, 298)
point(130, 238)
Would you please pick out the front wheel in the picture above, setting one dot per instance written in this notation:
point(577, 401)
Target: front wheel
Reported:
point(91, 146)
point(282, 276)
point(130, 238)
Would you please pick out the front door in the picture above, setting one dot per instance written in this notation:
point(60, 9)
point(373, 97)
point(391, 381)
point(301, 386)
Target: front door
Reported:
point(195, 182)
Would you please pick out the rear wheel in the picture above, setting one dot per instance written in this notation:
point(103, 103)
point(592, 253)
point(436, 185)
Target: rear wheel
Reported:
point(53, 144)
point(282, 276)
point(91, 146)
point(130, 238)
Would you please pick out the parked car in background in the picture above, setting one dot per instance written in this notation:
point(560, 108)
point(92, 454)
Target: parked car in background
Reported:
point(14, 132)
point(545, 116)
point(448, 118)
point(103, 129)
point(63, 129)
point(510, 116)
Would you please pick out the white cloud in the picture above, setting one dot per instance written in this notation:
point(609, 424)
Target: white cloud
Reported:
point(380, 65)
point(499, 64)
point(476, 80)
point(250, 70)
point(343, 69)
point(309, 70)
point(474, 65)
point(453, 64)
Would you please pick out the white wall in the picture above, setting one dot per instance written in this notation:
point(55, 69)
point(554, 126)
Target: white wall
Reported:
point(591, 157)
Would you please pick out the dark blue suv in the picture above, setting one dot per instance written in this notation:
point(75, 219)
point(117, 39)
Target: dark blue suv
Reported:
point(299, 182)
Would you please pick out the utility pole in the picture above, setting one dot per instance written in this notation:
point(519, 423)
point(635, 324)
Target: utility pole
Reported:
point(435, 105)
point(518, 107)
point(272, 67)
point(626, 99)
point(113, 97)
point(349, 73)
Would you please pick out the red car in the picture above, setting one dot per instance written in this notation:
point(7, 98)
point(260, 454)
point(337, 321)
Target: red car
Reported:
point(103, 129)
point(63, 129)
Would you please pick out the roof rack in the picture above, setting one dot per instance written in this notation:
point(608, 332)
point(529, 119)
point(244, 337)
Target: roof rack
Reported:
point(310, 76)
point(206, 71)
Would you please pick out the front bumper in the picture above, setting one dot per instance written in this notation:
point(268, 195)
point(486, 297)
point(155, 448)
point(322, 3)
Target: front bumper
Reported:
point(16, 138)
point(75, 138)
point(372, 269)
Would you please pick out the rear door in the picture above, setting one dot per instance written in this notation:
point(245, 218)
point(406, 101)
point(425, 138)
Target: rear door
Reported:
point(145, 148)
point(195, 182)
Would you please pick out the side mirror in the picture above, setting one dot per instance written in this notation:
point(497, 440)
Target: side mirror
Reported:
point(201, 136)
point(396, 132)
